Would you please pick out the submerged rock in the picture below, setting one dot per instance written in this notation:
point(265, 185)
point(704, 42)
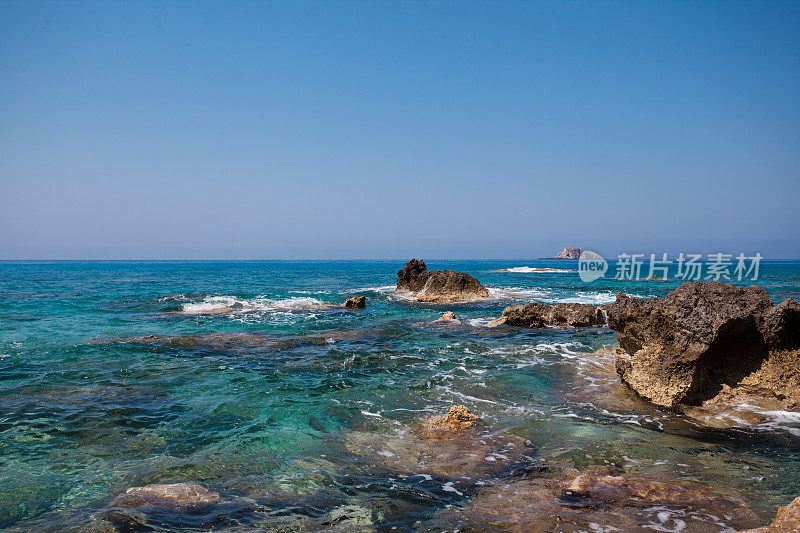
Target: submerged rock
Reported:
point(438, 286)
point(448, 317)
point(356, 302)
point(684, 348)
point(537, 315)
point(167, 495)
point(594, 501)
point(787, 520)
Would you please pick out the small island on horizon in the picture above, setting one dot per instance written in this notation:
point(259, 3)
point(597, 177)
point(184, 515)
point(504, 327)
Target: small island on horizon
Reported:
point(567, 253)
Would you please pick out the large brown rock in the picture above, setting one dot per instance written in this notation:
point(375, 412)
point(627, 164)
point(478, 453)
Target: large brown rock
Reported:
point(684, 348)
point(413, 276)
point(537, 315)
point(438, 286)
point(356, 302)
point(787, 520)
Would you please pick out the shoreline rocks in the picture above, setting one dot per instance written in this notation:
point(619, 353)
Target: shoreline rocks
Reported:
point(538, 315)
point(703, 339)
point(438, 286)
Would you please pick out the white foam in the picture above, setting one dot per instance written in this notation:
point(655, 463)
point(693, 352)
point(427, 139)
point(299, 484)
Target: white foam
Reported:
point(551, 297)
point(528, 270)
point(210, 304)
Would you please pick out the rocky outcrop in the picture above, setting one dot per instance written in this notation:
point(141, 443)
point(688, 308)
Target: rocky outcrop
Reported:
point(537, 315)
point(787, 519)
point(438, 286)
point(413, 276)
point(356, 302)
point(703, 337)
point(567, 253)
point(458, 418)
point(448, 317)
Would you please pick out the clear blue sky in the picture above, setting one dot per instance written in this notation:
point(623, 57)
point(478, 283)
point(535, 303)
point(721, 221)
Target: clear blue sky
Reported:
point(397, 129)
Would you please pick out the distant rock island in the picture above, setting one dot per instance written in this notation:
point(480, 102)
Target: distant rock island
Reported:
point(567, 253)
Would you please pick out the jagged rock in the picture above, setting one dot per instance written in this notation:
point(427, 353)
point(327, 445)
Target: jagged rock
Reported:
point(413, 276)
point(536, 315)
point(458, 418)
point(438, 286)
point(782, 325)
point(786, 521)
point(356, 302)
point(167, 496)
point(685, 347)
point(449, 317)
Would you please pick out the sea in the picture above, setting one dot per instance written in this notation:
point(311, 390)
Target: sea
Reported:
point(240, 377)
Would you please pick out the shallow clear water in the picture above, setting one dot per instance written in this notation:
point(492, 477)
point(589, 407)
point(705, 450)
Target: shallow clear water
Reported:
point(115, 375)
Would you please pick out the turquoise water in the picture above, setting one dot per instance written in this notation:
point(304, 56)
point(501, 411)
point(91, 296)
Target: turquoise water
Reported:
point(231, 375)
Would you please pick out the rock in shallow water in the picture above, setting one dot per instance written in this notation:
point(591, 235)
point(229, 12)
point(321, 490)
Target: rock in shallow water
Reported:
point(685, 347)
point(448, 317)
point(167, 495)
point(537, 315)
point(594, 501)
point(356, 302)
point(438, 286)
point(458, 418)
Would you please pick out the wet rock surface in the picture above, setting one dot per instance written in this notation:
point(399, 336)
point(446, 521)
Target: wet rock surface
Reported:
point(458, 418)
point(438, 286)
point(701, 337)
point(448, 317)
point(356, 302)
point(538, 315)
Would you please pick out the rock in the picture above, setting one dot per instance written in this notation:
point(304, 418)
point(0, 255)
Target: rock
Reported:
point(166, 496)
point(787, 520)
point(413, 276)
point(458, 418)
point(356, 302)
point(449, 317)
point(497, 322)
point(593, 501)
point(636, 489)
point(781, 326)
point(438, 286)
point(567, 253)
point(685, 347)
point(536, 315)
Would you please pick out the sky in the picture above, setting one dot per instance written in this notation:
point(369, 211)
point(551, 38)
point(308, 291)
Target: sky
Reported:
point(357, 130)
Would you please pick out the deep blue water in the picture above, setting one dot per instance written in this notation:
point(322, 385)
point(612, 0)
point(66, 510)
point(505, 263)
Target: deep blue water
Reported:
point(229, 374)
